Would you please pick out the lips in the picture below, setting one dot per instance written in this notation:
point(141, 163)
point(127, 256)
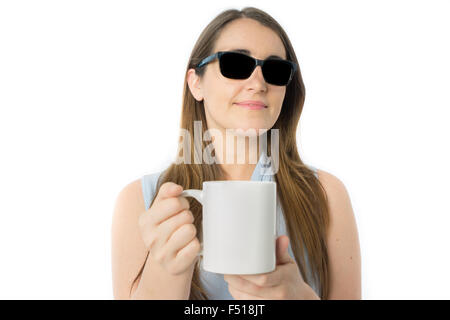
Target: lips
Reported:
point(252, 104)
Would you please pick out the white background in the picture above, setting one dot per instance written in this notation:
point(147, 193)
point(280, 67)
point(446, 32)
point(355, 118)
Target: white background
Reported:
point(90, 100)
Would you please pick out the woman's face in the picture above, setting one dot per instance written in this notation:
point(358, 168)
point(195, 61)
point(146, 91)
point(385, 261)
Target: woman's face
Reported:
point(221, 94)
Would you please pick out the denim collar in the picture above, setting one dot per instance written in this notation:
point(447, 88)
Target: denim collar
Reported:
point(263, 170)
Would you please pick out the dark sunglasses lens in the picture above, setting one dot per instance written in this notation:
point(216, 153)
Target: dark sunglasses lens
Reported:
point(277, 72)
point(236, 66)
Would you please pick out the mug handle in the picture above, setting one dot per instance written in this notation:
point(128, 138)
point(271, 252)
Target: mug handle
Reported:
point(198, 195)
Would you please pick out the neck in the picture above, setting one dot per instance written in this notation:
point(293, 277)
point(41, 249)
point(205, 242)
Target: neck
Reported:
point(237, 159)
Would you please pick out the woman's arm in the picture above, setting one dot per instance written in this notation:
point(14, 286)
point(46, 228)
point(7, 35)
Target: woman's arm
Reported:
point(129, 254)
point(342, 241)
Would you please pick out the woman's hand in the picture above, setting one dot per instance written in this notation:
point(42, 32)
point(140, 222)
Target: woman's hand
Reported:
point(168, 231)
point(284, 283)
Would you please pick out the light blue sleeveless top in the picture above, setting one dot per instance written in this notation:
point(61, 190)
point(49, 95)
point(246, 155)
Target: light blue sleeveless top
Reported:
point(214, 283)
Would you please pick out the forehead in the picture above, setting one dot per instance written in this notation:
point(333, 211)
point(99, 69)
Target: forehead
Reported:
point(248, 34)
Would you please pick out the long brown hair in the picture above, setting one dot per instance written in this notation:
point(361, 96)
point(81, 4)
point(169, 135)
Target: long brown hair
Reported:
point(302, 197)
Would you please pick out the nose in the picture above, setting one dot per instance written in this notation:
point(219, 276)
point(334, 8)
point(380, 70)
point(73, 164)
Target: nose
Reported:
point(256, 79)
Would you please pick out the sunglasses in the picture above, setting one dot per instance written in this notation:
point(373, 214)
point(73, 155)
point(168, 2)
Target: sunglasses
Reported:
point(236, 65)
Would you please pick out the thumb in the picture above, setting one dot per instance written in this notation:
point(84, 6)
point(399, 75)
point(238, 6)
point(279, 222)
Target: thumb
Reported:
point(168, 189)
point(282, 245)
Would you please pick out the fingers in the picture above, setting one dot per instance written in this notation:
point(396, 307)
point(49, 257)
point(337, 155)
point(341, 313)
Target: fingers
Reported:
point(244, 287)
point(265, 279)
point(168, 190)
point(167, 203)
point(178, 240)
point(188, 254)
point(167, 208)
point(168, 231)
point(153, 216)
point(237, 282)
point(180, 251)
point(241, 295)
point(169, 226)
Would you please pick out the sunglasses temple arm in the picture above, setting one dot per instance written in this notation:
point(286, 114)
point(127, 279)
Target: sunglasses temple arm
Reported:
point(293, 71)
point(207, 60)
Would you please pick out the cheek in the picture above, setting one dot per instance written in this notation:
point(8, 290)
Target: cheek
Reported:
point(278, 109)
point(279, 102)
point(214, 103)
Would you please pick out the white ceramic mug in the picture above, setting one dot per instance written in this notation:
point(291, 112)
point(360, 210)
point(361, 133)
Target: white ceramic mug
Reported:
point(239, 226)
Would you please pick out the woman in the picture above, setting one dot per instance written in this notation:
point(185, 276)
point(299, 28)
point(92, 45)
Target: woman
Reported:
point(155, 233)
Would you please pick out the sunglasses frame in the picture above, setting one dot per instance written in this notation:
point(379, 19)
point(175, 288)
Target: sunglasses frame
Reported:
point(258, 62)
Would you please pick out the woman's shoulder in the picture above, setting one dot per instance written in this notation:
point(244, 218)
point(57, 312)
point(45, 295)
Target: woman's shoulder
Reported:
point(335, 189)
point(326, 177)
point(330, 180)
point(338, 197)
point(314, 169)
point(139, 193)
